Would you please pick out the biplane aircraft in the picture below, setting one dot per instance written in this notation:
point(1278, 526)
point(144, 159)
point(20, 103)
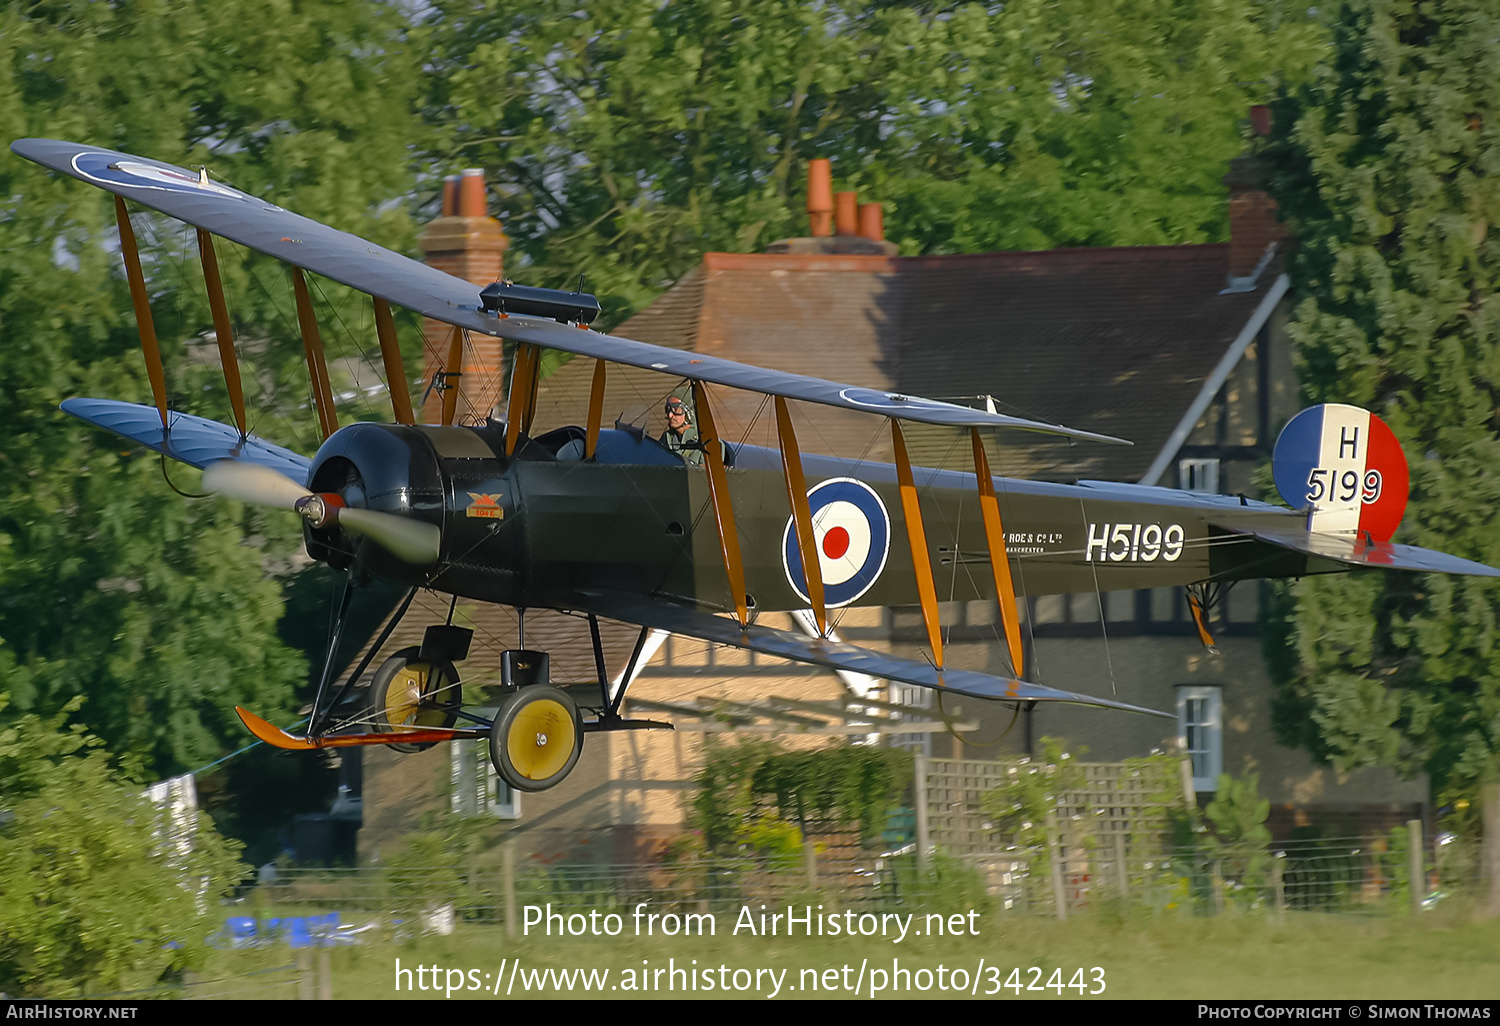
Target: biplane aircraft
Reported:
point(608, 523)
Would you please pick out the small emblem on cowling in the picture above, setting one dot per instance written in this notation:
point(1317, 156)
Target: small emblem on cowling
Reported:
point(486, 506)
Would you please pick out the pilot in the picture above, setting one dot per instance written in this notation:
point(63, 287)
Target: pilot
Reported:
point(681, 433)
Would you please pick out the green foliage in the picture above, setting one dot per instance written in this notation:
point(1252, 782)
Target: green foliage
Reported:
point(157, 609)
point(1239, 838)
point(1027, 802)
point(1386, 164)
point(95, 900)
point(849, 784)
point(428, 864)
point(630, 137)
point(845, 785)
point(722, 806)
point(946, 883)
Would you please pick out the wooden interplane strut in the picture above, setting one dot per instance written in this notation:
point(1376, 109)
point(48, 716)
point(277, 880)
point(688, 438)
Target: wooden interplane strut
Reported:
point(395, 369)
point(916, 536)
point(312, 347)
point(453, 373)
point(796, 490)
point(523, 382)
point(994, 535)
point(223, 332)
point(596, 411)
point(718, 492)
point(142, 304)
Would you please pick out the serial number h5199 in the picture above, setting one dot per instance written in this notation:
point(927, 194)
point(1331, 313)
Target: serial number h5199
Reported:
point(1134, 543)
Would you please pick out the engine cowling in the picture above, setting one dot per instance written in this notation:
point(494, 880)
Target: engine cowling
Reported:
point(389, 468)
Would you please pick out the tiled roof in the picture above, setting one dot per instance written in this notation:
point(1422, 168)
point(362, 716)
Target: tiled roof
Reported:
point(1117, 341)
point(1112, 340)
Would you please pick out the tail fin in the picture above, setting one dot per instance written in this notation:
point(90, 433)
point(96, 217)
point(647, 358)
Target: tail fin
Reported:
point(1343, 466)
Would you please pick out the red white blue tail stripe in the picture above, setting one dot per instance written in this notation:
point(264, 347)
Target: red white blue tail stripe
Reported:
point(1343, 466)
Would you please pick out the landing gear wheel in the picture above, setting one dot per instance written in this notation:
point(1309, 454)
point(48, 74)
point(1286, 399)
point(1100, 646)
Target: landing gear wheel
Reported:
point(408, 692)
point(536, 739)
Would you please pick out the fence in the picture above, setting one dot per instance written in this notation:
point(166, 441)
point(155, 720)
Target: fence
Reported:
point(1352, 875)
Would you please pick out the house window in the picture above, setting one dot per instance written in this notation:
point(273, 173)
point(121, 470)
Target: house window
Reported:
point(1198, 475)
point(477, 789)
point(1200, 733)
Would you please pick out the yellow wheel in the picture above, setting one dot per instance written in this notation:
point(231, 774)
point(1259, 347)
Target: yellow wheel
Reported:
point(408, 693)
point(536, 739)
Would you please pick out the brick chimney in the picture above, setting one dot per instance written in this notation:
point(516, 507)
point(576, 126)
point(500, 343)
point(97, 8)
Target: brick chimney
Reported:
point(837, 222)
point(469, 244)
point(1254, 227)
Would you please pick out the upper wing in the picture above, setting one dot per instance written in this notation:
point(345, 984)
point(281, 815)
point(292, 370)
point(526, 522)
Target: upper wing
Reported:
point(363, 265)
point(835, 655)
point(193, 440)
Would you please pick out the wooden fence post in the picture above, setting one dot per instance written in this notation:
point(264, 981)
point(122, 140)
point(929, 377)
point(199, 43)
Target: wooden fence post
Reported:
point(809, 856)
point(1278, 884)
point(508, 882)
point(1059, 893)
point(1418, 884)
point(919, 798)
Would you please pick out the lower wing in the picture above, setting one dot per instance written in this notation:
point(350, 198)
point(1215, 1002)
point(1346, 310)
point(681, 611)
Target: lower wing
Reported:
point(192, 440)
point(835, 655)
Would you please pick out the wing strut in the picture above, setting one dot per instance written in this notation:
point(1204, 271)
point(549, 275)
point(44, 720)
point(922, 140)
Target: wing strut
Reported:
point(395, 370)
point(223, 332)
point(453, 373)
point(312, 347)
point(142, 303)
point(796, 490)
point(916, 535)
point(596, 411)
point(718, 492)
point(994, 534)
point(523, 381)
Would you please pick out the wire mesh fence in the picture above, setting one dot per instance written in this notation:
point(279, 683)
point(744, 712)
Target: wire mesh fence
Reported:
point(1352, 875)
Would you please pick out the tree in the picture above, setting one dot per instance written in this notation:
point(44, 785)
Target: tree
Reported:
point(95, 900)
point(1386, 165)
point(629, 137)
point(157, 609)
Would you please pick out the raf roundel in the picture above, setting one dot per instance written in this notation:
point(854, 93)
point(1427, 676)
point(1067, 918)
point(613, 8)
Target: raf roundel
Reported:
point(110, 169)
point(852, 532)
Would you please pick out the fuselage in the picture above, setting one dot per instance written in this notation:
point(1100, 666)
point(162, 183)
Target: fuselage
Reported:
point(543, 527)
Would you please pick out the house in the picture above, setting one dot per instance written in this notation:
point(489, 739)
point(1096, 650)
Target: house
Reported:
point(1181, 349)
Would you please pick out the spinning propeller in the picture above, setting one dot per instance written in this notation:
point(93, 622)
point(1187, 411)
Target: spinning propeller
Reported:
point(414, 541)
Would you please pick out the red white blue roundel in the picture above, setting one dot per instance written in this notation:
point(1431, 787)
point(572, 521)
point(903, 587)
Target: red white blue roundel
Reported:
point(853, 534)
point(114, 169)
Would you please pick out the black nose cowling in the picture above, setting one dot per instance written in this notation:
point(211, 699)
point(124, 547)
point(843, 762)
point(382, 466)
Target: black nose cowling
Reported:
point(389, 468)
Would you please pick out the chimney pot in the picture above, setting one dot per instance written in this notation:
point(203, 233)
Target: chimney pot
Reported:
point(820, 197)
point(846, 213)
point(1260, 119)
point(872, 221)
point(471, 201)
point(450, 195)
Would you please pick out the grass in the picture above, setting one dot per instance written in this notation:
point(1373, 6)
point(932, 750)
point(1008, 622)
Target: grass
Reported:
point(1442, 954)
